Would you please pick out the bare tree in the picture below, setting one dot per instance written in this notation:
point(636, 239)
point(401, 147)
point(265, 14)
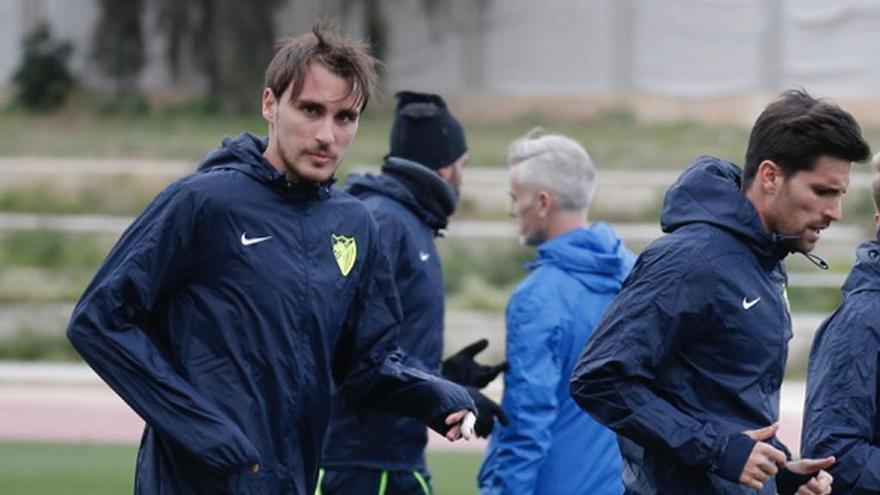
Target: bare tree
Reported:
point(118, 44)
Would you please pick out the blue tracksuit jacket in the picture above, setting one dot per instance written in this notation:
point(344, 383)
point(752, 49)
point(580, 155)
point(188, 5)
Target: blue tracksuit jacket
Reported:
point(373, 439)
point(841, 415)
point(551, 446)
point(224, 316)
point(692, 351)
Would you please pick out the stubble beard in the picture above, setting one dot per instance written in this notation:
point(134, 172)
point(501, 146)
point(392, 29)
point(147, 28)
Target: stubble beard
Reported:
point(289, 168)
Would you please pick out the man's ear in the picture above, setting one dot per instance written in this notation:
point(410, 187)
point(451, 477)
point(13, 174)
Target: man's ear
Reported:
point(546, 203)
point(445, 172)
point(769, 176)
point(269, 103)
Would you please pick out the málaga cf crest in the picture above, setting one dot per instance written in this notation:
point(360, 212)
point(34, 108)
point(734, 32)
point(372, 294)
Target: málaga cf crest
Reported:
point(345, 251)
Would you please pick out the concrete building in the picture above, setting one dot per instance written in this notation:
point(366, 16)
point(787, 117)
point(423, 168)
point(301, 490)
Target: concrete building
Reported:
point(663, 58)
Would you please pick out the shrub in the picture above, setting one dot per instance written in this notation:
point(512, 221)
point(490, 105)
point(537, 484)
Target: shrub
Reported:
point(43, 78)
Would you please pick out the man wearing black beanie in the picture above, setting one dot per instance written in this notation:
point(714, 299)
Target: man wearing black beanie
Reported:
point(411, 200)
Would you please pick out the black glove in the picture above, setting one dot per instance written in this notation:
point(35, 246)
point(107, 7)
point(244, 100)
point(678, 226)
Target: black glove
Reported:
point(487, 411)
point(463, 370)
point(787, 482)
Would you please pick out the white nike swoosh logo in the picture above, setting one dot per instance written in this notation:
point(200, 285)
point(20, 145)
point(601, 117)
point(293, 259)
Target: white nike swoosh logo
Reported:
point(424, 256)
point(747, 305)
point(254, 240)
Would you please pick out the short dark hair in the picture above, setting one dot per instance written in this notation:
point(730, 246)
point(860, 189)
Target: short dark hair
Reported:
point(347, 58)
point(796, 130)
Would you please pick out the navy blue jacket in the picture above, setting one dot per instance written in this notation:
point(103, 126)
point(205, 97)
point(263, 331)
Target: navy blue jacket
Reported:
point(373, 439)
point(692, 351)
point(841, 416)
point(551, 446)
point(224, 316)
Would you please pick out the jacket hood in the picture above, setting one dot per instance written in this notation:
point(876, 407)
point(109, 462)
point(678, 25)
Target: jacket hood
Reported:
point(415, 186)
point(865, 274)
point(709, 192)
point(594, 255)
point(358, 184)
point(245, 154)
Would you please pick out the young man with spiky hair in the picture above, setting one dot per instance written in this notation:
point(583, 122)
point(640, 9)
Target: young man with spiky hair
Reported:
point(687, 362)
point(245, 293)
point(842, 412)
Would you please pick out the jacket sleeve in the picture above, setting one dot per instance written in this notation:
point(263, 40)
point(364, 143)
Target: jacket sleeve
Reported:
point(662, 306)
point(110, 327)
point(368, 365)
point(840, 417)
point(530, 401)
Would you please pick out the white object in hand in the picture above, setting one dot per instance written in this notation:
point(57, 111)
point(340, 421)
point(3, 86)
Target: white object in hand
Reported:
point(467, 425)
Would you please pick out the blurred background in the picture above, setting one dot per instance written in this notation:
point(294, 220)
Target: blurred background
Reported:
point(104, 102)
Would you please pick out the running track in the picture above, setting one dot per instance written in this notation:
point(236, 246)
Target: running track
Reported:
point(69, 403)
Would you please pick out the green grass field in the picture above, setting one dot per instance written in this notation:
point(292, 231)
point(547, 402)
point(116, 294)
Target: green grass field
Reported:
point(614, 139)
point(88, 469)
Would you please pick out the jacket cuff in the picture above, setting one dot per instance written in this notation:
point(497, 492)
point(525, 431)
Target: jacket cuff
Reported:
point(788, 482)
point(734, 457)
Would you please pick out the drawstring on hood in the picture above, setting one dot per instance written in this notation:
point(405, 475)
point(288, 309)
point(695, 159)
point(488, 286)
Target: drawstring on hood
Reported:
point(245, 154)
point(780, 239)
point(816, 260)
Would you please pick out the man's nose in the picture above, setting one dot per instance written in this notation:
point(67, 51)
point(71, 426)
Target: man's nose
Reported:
point(325, 132)
point(835, 211)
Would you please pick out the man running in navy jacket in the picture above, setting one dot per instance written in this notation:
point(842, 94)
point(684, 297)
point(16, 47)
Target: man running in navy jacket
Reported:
point(686, 364)
point(245, 293)
point(842, 411)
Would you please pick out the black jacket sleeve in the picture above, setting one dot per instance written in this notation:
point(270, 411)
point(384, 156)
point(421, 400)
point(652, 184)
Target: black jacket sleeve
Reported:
point(110, 328)
point(841, 412)
point(369, 367)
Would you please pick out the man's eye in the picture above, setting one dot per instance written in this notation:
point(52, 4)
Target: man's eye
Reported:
point(346, 117)
point(310, 110)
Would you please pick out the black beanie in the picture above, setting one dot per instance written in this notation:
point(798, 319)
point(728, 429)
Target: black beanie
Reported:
point(425, 132)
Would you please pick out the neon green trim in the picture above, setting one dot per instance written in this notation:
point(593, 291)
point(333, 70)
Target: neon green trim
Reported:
point(320, 480)
point(383, 482)
point(422, 482)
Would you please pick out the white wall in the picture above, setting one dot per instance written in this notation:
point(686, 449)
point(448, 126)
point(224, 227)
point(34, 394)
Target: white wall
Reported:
point(833, 47)
point(668, 48)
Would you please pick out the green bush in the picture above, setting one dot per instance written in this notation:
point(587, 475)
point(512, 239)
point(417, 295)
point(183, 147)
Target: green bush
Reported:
point(43, 78)
point(44, 266)
point(814, 300)
point(28, 345)
point(115, 195)
point(50, 249)
point(481, 275)
point(498, 262)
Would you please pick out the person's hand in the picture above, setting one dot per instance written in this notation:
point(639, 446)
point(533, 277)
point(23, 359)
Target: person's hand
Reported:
point(461, 425)
point(820, 484)
point(487, 411)
point(764, 461)
point(463, 370)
